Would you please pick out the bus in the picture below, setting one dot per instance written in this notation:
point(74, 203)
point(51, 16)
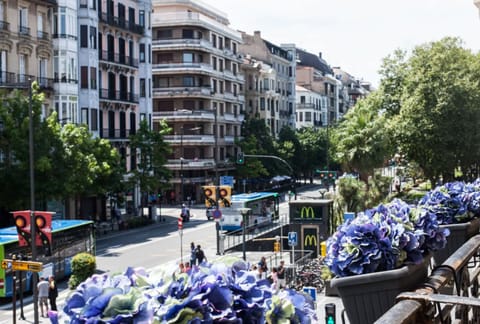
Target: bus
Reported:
point(69, 237)
point(263, 210)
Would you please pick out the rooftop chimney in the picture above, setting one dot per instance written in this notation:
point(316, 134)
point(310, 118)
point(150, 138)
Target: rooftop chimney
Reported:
point(257, 33)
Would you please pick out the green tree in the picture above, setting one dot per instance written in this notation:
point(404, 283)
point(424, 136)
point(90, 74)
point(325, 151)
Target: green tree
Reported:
point(91, 166)
point(68, 161)
point(362, 139)
point(256, 141)
point(288, 148)
point(253, 167)
point(152, 151)
point(313, 152)
point(437, 123)
point(14, 147)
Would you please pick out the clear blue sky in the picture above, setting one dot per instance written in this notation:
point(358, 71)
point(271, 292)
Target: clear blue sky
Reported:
point(355, 35)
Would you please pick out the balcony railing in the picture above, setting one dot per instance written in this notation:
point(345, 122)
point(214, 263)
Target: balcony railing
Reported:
point(183, 91)
point(117, 58)
point(64, 36)
point(24, 31)
point(41, 35)
point(14, 80)
point(118, 95)
point(5, 26)
point(115, 133)
point(120, 22)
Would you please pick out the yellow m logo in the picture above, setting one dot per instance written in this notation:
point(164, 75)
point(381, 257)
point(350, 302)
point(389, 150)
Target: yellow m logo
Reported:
point(307, 212)
point(310, 240)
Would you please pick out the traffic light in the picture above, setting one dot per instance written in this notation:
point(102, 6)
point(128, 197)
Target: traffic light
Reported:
point(330, 313)
point(225, 193)
point(276, 246)
point(210, 193)
point(240, 158)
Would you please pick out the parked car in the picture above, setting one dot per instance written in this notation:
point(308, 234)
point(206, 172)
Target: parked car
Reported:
point(209, 212)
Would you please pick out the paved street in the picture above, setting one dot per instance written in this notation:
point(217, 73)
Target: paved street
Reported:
point(159, 243)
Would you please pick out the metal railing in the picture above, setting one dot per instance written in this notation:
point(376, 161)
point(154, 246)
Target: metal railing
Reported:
point(235, 238)
point(450, 293)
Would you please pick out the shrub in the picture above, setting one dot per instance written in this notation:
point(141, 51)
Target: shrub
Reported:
point(83, 266)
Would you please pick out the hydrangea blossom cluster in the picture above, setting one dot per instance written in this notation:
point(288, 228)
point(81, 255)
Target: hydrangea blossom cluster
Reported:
point(384, 238)
point(454, 202)
point(221, 292)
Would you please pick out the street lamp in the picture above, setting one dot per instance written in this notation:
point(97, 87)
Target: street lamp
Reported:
point(32, 199)
point(244, 212)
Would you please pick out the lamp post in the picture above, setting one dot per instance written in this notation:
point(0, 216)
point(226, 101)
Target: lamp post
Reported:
point(244, 212)
point(181, 164)
point(32, 199)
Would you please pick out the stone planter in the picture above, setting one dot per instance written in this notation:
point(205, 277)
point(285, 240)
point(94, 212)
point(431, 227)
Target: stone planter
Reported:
point(459, 234)
point(367, 297)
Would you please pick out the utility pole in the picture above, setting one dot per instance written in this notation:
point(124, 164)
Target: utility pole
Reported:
point(32, 201)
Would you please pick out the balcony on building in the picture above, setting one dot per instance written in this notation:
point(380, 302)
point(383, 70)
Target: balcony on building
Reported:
point(119, 59)
point(43, 37)
point(182, 43)
point(120, 22)
point(119, 96)
point(116, 134)
point(196, 140)
point(15, 80)
point(182, 91)
point(185, 115)
point(4, 29)
point(183, 67)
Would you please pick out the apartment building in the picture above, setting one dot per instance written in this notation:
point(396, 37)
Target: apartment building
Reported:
point(269, 81)
point(351, 90)
point(311, 108)
point(102, 76)
point(26, 50)
point(198, 91)
point(315, 74)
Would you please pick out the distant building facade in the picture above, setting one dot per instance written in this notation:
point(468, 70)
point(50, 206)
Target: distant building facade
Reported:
point(269, 82)
point(313, 73)
point(311, 108)
point(198, 91)
point(26, 48)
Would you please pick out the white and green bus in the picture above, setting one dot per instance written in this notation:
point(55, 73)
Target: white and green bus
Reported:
point(263, 209)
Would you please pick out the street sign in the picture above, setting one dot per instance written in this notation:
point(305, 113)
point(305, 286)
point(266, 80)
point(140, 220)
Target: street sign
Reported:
point(226, 181)
point(22, 265)
point(217, 214)
point(292, 239)
point(180, 223)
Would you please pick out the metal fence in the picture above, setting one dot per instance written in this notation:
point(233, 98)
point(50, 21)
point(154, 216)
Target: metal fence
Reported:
point(449, 295)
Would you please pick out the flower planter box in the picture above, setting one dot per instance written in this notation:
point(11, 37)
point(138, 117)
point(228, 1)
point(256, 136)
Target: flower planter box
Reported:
point(329, 290)
point(366, 297)
point(459, 234)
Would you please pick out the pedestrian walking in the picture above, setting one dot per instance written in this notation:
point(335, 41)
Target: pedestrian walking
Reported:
point(263, 264)
point(200, 255)
point(42, 288)
point(274, 279)
point(282, 283)
point(193, 257)
point(52, 293)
